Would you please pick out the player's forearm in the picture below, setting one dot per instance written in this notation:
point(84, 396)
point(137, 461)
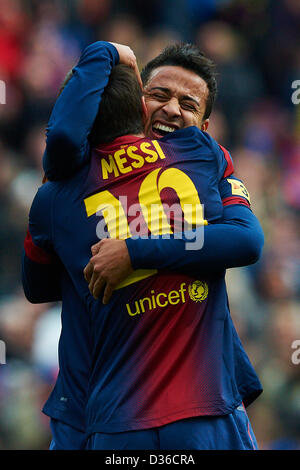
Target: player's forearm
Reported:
point(237, 241)
point(75, 110)
point(40, 281)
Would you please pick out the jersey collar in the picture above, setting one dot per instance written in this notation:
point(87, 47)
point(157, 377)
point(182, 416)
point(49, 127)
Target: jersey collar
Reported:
point(120, 141)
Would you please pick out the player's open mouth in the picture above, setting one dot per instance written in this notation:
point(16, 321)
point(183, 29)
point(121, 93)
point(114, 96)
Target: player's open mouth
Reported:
point(160, 130)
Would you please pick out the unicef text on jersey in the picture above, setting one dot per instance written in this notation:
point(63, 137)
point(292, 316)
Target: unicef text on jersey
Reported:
point(141, 220)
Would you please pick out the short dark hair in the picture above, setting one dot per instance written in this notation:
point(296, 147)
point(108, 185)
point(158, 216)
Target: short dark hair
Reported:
point(120, 111)
point(190, 57)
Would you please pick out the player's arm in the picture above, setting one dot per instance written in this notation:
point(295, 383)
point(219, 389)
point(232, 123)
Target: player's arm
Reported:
point(40, 281)
point(40, 266)
point(75, 110)
point(237, 240)
point(74, 113)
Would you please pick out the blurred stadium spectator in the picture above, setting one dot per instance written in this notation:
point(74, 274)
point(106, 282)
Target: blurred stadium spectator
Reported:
point(256, 46)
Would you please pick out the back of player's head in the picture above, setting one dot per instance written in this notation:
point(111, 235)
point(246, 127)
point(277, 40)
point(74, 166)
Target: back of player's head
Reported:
point(120, 111)
point(190, 57)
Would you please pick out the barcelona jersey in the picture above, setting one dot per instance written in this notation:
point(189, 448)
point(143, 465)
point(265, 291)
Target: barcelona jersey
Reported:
point(164, 348)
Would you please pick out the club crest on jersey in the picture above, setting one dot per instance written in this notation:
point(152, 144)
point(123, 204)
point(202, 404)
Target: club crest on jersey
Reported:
point(198, 291)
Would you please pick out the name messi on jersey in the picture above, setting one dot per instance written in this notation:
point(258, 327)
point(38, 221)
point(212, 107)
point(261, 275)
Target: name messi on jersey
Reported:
point(131, 157)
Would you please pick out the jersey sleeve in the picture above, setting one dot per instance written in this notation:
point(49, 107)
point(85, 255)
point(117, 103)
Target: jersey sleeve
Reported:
point(237, 240)
point(233, 191)
point(223, 156)
point(40, 266)
point(225, 162)
point(73, 115)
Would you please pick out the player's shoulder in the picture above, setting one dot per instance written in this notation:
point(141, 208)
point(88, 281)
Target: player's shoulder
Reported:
point(53, 187)
point(192, 137)
point(51, 191)
point(224, 158)
point(42, 202)
point(47, 190)
point(185, 135)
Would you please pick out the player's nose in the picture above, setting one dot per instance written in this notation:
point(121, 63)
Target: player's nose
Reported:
point(172, 108)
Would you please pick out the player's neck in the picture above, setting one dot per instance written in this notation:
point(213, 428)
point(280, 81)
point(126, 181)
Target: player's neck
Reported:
point(141, 136)
point(123, 140)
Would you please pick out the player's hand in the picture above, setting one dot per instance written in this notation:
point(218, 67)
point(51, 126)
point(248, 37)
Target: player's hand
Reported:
point(109, 265)
point(127, 57)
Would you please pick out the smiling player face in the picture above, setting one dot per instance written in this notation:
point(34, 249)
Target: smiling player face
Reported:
point(175, 98)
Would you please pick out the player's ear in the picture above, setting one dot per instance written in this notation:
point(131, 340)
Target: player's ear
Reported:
point(204, 125)
point(145, 110)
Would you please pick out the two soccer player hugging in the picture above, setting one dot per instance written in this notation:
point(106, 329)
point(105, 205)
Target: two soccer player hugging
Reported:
point(149, 357)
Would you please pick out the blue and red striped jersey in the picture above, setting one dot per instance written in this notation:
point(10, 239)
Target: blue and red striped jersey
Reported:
point(165, 347)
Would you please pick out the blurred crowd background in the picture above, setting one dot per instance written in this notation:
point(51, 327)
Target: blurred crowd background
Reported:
point(256, 46)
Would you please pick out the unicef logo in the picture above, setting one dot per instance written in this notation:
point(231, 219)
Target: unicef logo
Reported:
point(198, 291)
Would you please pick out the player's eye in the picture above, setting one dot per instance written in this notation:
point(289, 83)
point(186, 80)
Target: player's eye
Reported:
point(159, 96)
point(188, 106)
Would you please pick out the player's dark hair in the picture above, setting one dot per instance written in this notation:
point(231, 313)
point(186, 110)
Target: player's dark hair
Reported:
point(190, 57)
point(120, 111)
